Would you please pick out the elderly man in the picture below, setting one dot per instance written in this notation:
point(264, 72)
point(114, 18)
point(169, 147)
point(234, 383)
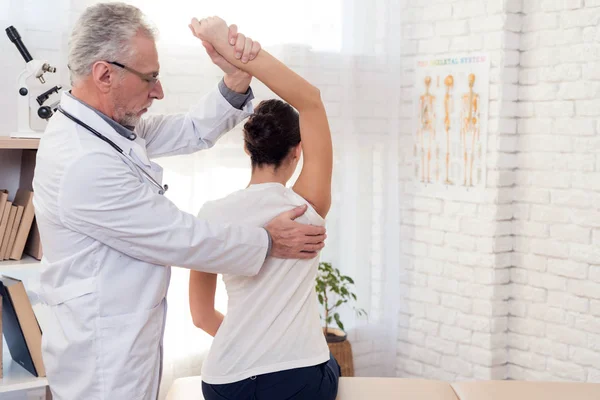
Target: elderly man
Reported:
point(108, 232)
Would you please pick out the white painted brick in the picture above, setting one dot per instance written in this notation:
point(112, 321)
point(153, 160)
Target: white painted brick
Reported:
point(539, 92)
point(460, 241)
point(433, 206)
point(560, 73)
point(482, 357)
point(477, 227)
point(588, 217)
point(531, 229)
point(414, 248)
point(423, 325)
point(535, 125)
point(529, 41)
point(476, 290)
point(475, 323)
point(455, 334)
point(526, 110)
point(442, 253)
point(574, 126)
point(582, 356)
point(549, 348)
point(451, 28)
point(566, 370)
point(443, 11)
point(490, 308)
point(441, 314)
point(587, 107)
point(555, 109)
point(421, 354)
point(568, 268)
point(595, 273)
point(487, 24)
point(424, 295)
point(527, 359)
point(547, 143)
point(519, 275)
point(592, 3)
point(526, 326)
point(551, 248)
point(584, 17)
point(550, 214)
point(547, 280)
point(466, 43)
point(578, 90)
point(428, 236)
point(442, 285)
point(410, 366)
point(540, 21)
point(560, 37)
point(415, 218)
point(591, 145)
point(459, 272)
point(520, 373)
point(585, 253)
point(529, 76)
point(489, 340)
point(591, 71)
point(456, 365)
point(513, 6)
point(489, 373)
point(595, 307)
point(443, 223)
point(588, 323)
point(468, 9)
point(439, 374)
point(528, 293)
point(441, 346)
point(456, 302)
point(459, 209)
point(558, 5)
point(532, 195)
point(571, 233)
point(529, 261)
point(545, 313)
point(520, 342)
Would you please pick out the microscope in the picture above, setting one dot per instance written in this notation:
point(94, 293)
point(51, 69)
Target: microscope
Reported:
point(35, 68)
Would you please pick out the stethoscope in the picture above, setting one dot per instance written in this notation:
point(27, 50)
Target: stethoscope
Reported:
point(161, 189)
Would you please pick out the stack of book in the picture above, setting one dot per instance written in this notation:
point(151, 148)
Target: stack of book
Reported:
point(18, 230)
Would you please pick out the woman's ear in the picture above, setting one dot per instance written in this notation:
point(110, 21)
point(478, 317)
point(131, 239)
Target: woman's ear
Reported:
point(298, 151)
point(246, 148)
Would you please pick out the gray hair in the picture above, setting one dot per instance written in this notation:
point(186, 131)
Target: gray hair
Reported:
point(103, 33)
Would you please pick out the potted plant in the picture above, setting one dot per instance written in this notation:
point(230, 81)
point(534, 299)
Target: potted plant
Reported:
point(333, 290)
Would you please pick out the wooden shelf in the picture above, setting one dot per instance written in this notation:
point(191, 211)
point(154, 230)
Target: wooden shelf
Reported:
point(7, 142)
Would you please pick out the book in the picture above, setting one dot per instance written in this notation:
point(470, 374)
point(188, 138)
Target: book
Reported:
point(11, 219)
point(33, 247)
point(22, 198)
point(13, 232)
point(4, 212)
point(21, 328)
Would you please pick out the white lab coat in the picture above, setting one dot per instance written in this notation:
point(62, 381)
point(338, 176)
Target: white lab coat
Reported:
point(108, 239)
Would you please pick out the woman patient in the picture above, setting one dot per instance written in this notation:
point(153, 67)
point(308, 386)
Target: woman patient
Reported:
point(270, 344)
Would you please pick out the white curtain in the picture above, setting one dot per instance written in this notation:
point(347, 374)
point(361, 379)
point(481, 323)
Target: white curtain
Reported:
point(350, 50)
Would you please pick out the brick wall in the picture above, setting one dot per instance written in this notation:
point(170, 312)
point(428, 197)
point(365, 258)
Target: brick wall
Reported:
point(503, 283)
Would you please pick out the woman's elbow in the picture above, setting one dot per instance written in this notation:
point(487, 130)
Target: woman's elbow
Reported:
point(199, 320)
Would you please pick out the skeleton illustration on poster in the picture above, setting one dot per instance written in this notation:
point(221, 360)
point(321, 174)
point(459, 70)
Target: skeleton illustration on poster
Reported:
point(451, 113)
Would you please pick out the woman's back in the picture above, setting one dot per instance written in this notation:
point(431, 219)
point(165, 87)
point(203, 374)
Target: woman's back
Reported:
point(272, 321)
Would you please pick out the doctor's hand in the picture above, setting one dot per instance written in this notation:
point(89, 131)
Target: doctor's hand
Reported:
point(292, 239)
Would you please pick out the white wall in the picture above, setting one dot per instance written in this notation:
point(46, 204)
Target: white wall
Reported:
point(504, 283)
point(555, 311)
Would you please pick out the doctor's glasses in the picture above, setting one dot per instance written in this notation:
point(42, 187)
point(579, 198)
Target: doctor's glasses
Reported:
point(151, 78)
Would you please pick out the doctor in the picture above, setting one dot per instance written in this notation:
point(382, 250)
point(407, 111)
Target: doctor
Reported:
point(108, 232)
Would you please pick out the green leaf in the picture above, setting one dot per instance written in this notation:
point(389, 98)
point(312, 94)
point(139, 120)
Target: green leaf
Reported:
point(337, 321)
point(328, 320)
point(321, 299)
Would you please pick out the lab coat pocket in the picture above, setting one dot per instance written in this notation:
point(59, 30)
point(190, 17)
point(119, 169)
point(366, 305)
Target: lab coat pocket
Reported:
point(129, 354)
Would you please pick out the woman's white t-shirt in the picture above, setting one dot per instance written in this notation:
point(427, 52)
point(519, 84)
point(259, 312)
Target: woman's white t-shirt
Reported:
point(272, 321)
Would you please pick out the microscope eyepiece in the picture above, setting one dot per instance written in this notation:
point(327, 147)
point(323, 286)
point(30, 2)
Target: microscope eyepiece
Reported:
point(14, 37)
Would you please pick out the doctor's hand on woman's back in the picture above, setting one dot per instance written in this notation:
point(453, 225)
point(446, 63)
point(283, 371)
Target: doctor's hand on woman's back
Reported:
point(292, 239)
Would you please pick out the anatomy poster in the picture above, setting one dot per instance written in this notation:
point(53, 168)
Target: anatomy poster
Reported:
point(451, 112)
